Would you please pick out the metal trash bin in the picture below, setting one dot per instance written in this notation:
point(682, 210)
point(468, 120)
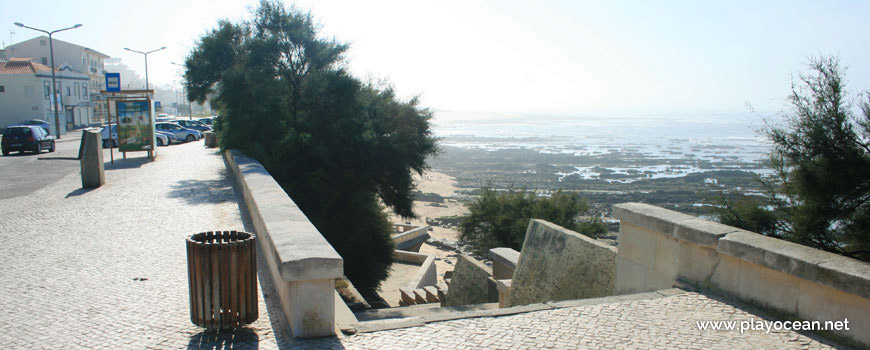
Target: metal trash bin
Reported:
point(222, 279)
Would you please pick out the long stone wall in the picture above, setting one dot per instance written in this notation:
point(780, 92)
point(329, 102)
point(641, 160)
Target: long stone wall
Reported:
point(659, 247)
point(559, 264)
point(302, 263)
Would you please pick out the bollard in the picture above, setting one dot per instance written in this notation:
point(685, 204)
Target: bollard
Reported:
point(91, 159)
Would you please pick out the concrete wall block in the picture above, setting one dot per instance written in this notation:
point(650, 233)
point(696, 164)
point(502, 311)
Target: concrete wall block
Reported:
point(822, 303)
point(767, 287)
point(697, 263)
point(637, 244)
point(657, 281)
point(726, 276)
point(312, 306)
point(667, 256)
point(504, 262)
point(469, 284)
point(560, 264)
point(702, 232)
point(630, 277)
point(648, 216)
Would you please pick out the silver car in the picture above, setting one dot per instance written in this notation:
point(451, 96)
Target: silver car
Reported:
point(179, 131)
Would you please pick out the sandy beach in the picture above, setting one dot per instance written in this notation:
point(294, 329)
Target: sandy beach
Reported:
point(445, 186)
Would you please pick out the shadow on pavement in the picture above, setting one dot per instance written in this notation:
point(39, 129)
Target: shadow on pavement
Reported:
point(239, 338)
point(204, 191)
point(128, 163)
point(79, 192)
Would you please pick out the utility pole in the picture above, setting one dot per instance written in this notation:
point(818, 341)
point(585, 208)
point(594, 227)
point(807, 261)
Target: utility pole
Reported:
point(146, 62)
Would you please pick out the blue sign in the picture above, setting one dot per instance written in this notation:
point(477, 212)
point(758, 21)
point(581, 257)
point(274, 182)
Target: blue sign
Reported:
point(113, 82)
point(156, 104)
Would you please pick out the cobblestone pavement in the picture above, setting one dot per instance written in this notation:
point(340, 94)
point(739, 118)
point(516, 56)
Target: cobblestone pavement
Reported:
point(106, 269)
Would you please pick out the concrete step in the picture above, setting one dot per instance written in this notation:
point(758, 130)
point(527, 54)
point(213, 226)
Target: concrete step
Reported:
point(406, 296)
point(431, 294)
point(419, 311)
point(420, 296)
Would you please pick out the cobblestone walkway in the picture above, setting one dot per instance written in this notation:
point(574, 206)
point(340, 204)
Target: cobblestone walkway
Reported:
point(106, 269)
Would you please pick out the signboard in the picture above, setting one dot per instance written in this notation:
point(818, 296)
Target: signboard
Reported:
point(113, 82)
point(135, 129)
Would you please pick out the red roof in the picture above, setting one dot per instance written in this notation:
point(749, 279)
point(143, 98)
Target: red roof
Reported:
point(22, 65)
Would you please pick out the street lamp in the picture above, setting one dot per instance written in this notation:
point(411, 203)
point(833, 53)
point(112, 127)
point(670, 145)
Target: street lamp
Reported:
point(189, 103)
point(53, 82)
point(146, 61)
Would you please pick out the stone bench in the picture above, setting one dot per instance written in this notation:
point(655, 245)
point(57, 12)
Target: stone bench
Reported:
point(302, 264)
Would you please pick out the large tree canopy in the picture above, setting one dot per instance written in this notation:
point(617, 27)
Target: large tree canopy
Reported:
point(821, 191)
point(338, 146)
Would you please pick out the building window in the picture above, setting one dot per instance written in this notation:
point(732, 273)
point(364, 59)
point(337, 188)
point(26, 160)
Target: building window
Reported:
point(42, 43)
point(46, 87)
point(44, 61)
point(28, 91)
point(83, 61)
point(68, 91)
point(2, 88)
point(77, 89)
point(85, 91)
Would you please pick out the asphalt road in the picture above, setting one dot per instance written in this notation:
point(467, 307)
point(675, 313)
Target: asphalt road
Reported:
point(23, 174)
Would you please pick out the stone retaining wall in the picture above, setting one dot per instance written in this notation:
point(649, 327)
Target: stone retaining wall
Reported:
point(658, 247)
point(427, 275)
point(302, 263)
point(559, 264)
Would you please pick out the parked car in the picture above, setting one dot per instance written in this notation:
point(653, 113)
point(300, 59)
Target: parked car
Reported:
point(207, 121)
point(162, 139)
point(23, 138)
point(170, 136)
point(110, 140)
point(180, 132)
point(193, 124)
point(38, 122)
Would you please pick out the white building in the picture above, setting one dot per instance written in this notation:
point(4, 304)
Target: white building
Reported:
point(25, 93)
point(77, 58)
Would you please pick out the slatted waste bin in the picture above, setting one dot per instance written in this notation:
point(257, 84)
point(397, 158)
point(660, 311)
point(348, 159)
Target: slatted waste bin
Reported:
point(222, 279)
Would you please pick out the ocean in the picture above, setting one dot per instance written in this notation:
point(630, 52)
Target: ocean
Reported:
point(669, 145)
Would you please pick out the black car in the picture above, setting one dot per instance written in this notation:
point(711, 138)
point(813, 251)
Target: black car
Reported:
point(24, 138)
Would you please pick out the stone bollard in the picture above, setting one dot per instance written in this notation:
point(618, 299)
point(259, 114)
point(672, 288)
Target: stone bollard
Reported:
point(91, 151)
point(210, 139)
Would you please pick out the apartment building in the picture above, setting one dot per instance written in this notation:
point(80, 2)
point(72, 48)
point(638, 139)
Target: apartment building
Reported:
point(25, 93)
point(74, 58)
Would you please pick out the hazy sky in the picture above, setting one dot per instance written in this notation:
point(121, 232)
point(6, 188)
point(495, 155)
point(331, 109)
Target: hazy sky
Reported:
point(566, 57)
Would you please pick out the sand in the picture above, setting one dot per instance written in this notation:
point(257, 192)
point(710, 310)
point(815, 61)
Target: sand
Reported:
point(444, 185)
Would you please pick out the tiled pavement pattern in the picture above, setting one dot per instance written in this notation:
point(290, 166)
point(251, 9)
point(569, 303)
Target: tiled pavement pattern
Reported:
point(106, 269)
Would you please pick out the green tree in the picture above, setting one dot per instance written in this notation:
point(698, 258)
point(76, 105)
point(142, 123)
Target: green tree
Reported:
point(500, 219)
point(338, 146)
point(821, 189)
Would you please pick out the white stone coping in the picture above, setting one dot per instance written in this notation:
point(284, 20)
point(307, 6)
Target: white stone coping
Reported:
point(410, 234)
point(505, 256)
point(424, 275)
point(836, 271)
point(300, 250)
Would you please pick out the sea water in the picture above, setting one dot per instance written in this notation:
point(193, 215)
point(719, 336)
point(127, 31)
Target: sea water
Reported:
point(672, 145)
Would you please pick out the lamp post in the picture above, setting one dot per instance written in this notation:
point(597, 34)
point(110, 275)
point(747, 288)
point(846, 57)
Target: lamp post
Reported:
point(53, 81)
point(189, 104)
point(146, 61)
